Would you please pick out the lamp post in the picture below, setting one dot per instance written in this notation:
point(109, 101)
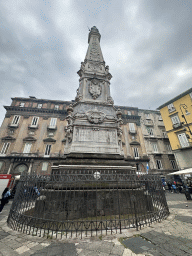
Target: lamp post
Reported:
point(183, 106)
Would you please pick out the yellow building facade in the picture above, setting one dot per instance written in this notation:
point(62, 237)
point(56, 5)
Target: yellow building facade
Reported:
point(177, 117)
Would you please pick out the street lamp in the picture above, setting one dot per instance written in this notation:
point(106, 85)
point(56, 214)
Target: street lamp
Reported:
point(183, 106)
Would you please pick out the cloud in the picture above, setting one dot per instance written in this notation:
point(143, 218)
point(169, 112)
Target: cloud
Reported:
point(146, 43)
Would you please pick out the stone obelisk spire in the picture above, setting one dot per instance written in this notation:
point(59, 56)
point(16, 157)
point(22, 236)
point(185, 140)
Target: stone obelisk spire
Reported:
point(93, 122)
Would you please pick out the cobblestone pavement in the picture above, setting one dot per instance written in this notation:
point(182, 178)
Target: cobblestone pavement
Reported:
point(172, 236)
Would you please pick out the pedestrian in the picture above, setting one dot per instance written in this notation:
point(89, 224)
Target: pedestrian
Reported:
point(174, 188)
point(5, 198)
point(169, 186)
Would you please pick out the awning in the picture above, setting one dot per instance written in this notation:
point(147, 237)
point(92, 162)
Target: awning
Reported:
point(186, 171)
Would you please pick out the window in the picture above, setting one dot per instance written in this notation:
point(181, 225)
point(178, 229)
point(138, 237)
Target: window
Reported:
point(21, 168)
point(164, 133)
point(160, 118)
point(147, 116)
point(15, 120)
point(39, 105)
point(47, 150)
point(159, 164)
point(5, 148)
point(129, 113)
point(137, 167)
point(1, 164)
point(21, 104)
point(183, 140)
point(174, 165)
point(132, 127)
point(44, 166)
point(175, 119)
point(169, 149)
point(150, 131)
point(27, 148)
point(171, 107)
point(53, 123)
point(34, 121)
point(155, 147)
point(136, 152)
point(56, 107)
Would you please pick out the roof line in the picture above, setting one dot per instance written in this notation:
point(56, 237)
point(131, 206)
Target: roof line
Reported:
point(175, 98)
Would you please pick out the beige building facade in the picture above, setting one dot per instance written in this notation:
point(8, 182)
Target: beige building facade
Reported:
point(33, 136)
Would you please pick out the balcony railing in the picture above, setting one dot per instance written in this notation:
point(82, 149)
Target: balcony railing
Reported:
point(161, 124)
point(171, 109)
point(178, 125)
point(24, 154)
point(50, 127)
point(13, 125)
point(132, 131)
point(148, 122)
point(33, 126)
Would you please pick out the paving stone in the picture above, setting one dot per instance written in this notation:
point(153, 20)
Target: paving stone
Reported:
point(14, 244)
point(117, 250)
point(88, 253)
point(37, 247)
point(138, 244)
point(3, 234)
point(22, 249)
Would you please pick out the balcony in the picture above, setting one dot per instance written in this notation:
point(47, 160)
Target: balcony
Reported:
point(148, 122)
point(33, 126)
point(171, 110)
point(178, 125)
point(13, 125)
point(15, 154)
point(160, 124)
point(133, 132)
point(51, 128)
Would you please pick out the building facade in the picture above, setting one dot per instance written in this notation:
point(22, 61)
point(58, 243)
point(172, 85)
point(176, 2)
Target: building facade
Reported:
point(177, 116)
point(162, 160)
point(33, 136)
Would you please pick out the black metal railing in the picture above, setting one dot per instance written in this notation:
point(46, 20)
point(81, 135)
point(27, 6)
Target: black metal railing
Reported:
point(86, 201)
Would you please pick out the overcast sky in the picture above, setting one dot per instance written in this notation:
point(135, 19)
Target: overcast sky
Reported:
point(146, 43)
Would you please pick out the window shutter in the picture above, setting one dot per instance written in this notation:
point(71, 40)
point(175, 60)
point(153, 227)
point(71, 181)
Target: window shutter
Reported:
point(183, 140)
point(27, 148)
point(15, 120)
point(175, 120)
point(53, 122)
point(159, 164)
point(132, 127)
point(44, 166)
point(136, 152)
point(47, 150)
point(5, 148)
point(35, 121)
point(155, 148)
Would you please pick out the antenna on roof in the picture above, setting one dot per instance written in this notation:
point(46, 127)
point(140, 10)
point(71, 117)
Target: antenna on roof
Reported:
point(89, 28)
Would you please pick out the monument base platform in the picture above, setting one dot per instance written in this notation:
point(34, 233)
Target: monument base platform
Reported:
point(93, 159)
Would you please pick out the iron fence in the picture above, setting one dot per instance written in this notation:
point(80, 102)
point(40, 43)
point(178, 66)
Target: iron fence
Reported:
point(86, 201)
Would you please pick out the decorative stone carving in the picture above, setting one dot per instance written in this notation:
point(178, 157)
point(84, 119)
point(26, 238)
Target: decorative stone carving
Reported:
point(110, 100)
point(82, 66)
point(79, 96)
point(95, 66)
point(79, 115)
point(94, 53)
point(68, 133)
point(95, 88)
point(95, 116)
